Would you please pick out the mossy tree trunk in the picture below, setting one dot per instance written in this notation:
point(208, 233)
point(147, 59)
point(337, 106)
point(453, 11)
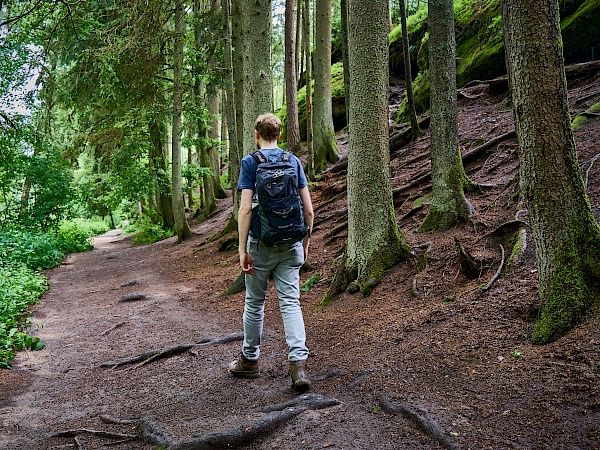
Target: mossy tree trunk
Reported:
point(345, 61)
point(325, 145)
point(306, 33)
point(410, 97)
point(565, 234)
point(292, 124)
point(258, 83)
point(449, 206)
point(182, 228)
point(374, 239)
point(158, 167)
point(230, 113)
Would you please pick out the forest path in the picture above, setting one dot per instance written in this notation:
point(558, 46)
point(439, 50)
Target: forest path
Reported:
point(191, 394)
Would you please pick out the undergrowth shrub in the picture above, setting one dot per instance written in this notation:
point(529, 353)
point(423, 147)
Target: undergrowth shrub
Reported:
point(19, 288)
point(22, 255)
point(150, 234)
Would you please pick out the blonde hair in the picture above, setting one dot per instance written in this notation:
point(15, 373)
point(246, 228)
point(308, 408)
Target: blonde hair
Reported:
point(268, 126)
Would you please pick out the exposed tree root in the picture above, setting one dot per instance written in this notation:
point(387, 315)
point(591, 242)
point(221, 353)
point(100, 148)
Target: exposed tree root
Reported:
point(234, 437)
point(107, 434)
point(474, 154)
point(331, 200)
point(134, 297)
point(238, 285)
point(420, 418)
point(587, 173)
point(469, 265)
point(337, 230)
point(104, 418)
point(335, 215)
point(400, 139)
point(498, 272)
point(329, 374)
point(363, 373)
point(587, 97)
point(153, 355)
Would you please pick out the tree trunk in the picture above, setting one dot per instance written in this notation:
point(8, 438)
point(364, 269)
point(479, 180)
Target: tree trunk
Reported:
point(158, 166)
point(309, 116)
point(374, 239)
point(345, 61)
point(326, 149)
point(565, 234)
point(449, 206)
point(410, 98)
point(238, 71)
point(292, 126)
point(182, 227)
point(213, 149)
point(230, 103)
point(298, 43)
point(258, 83)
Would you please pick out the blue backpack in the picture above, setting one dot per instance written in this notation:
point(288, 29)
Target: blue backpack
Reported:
point(279, 205)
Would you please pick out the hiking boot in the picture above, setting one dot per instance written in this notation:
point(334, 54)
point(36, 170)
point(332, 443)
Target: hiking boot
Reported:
point(300, 381)
point(244, 368)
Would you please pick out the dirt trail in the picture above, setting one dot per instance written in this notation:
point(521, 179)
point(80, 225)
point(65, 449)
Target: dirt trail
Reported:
point(430, 360)
point(84, 325)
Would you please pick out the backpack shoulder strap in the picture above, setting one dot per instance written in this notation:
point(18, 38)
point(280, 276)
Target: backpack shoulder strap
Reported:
point(285, 156)
point(259, 157)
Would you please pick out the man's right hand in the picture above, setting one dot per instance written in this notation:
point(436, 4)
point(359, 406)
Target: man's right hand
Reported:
point(246, 263)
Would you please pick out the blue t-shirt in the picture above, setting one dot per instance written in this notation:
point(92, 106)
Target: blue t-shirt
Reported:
point(247, 178)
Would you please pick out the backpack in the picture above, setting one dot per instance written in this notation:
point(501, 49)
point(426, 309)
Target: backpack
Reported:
point(279, 205)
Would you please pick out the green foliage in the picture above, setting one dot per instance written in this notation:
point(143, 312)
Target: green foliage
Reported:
point(19, 288)
point(580, 30)
point(150, 234)
point(308, 284)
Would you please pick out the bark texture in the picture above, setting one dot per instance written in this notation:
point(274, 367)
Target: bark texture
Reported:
point(292, 124)
point(326, 150)
point(565, 234)
point(374, 239)
point(258, 83)
point(182, 227)
point(410, 98)
point(449, 206)
point(306, 32)
point(230, 113)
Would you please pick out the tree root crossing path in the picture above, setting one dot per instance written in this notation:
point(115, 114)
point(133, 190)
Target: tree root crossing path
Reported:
point(137, 348)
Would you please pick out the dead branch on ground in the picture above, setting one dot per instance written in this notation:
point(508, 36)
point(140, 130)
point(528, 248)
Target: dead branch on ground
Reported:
point(111, 329)
point(153, 355)
point(420, 418)
point(151, 432)
point(107, 434)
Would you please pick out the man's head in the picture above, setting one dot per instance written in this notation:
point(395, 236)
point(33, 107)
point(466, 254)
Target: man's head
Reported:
point(268, 126)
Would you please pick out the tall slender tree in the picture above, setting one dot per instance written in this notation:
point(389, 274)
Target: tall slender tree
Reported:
point(374, 239)
point(345, 60)
point(410, 97)
point(309, 115)
point(182, 228)
point(565, 235)
point(229, 102)
point(449, 205)
point(258, 83)
point(292, 125)
point(326, 149)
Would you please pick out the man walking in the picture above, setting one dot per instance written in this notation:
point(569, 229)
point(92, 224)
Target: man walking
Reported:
point(261, 256)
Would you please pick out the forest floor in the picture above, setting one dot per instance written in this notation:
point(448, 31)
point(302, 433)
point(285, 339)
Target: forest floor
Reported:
point(431, 359)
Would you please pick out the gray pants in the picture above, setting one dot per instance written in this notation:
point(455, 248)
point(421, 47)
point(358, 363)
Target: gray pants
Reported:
point(284, 264)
